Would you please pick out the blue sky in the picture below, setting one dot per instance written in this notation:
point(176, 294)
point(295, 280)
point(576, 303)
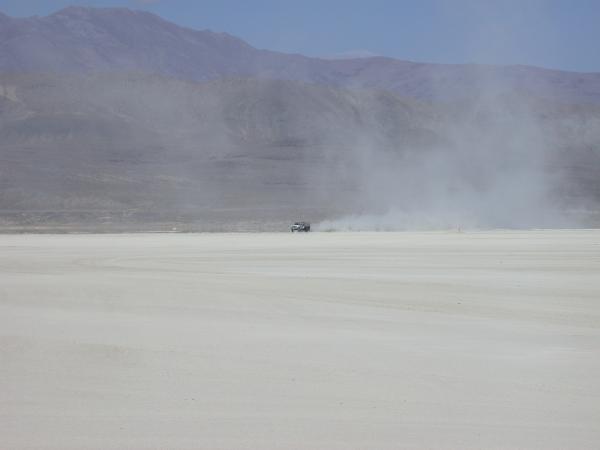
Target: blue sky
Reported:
point(549, 33)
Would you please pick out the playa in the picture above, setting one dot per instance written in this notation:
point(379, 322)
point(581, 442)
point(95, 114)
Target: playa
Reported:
point(439, 340)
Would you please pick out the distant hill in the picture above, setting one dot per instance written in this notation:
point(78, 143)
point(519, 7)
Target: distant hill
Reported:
point(147, 148)
point(78, 40)
point(153, 145)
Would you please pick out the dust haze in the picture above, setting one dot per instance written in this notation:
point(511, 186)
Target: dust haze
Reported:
point(495, 166)
point(495, 171)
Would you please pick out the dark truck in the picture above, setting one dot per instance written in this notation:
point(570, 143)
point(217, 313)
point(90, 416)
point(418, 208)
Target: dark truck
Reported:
point(300, 226)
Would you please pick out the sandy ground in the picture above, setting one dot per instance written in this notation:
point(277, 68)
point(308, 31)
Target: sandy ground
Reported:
point(321, 341)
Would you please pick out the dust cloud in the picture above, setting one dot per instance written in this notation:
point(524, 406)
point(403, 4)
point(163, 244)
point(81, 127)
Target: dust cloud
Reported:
point(492, 169)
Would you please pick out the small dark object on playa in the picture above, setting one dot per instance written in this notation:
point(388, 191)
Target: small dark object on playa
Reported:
point(300, 226)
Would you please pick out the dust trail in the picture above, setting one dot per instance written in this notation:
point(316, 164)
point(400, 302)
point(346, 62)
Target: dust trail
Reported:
point(491, 169)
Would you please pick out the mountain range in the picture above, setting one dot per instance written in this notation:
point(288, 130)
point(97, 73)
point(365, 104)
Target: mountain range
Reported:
point(83, 40)
point(114, 118)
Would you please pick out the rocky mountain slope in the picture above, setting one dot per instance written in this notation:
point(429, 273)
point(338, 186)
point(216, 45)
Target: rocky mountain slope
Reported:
point(150, 145)
point(148, 148)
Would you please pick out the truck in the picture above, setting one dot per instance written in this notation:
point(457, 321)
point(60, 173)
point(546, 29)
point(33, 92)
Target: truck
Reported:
point(300, 226)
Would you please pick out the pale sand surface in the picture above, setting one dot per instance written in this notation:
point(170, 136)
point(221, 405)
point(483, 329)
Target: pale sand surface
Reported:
point(322, 341)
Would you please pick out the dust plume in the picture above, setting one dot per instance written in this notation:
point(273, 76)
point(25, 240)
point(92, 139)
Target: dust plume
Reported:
point(493, 166)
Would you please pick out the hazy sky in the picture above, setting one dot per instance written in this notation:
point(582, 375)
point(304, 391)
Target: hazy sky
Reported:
point(562, 34)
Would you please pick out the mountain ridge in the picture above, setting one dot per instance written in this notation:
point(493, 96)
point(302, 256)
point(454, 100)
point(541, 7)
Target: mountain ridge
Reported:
point(83, 39)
